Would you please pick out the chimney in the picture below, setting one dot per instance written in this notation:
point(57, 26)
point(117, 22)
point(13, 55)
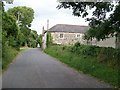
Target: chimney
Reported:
point(47, 24)
point(43, 30)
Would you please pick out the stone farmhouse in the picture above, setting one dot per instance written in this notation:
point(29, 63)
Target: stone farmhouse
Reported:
point(69, 34)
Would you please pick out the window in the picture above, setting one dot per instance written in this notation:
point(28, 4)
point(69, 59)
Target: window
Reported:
point(78, 35)
point(61, 35)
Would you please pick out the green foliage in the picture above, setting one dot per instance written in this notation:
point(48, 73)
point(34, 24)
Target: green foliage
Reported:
point(49, 39)
point(89, 50)
point(9, 25)
point(109, 56)
point(8, 54)
point(80, 8)
point(26, 14)
point(32, 41)
point(12, 41)
point(9, 30)
point(75, 48)
point(1, 8)
point(84, 49)
point(20, 38)
point(77, 44)
point(26, 32)
point(39, 40)
point(9, 35)
point(102, 54)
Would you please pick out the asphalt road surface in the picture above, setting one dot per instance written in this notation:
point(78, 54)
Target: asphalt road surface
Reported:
point(34, 69)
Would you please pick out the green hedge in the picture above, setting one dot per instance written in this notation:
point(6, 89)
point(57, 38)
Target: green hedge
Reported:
point(106, 55)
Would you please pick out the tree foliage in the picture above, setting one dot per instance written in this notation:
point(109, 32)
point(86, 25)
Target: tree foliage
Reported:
point(24, 14)
point(9, 29)
point(15, 25)
point(33, 39)
point(9, 25)
point(39, 40)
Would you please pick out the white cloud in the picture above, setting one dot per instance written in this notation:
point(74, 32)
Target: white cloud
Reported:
point(45, 9)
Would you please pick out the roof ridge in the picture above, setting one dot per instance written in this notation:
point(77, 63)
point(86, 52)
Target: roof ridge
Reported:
point(69, 28)
point(73, 25)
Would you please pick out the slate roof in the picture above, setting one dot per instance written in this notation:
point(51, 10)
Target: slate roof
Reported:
point(68, 28)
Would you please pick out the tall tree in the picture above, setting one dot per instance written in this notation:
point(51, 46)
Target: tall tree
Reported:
point(24, 16)
point(10, 30)
point(102, 27)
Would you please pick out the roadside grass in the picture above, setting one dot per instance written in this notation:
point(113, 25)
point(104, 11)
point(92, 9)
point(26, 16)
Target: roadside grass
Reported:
point(87, 64)
point(8, 55)
point(0, 58)
point(23, 48)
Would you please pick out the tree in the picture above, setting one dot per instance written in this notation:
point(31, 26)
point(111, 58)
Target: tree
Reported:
point(23, 16)
point(9, 29)
point(20, 38)
point(33, 36)
point(9, 25)
point(101, 27)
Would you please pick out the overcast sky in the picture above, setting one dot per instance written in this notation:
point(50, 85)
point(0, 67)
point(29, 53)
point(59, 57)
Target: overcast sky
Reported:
point(46, 9)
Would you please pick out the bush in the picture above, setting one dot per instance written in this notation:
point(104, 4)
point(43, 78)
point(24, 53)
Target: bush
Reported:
point(84, 49)
point(63, 47)
point(109, 56)
point(89, 50)
point(77, 44)
point(75, 48)
point(106, 54)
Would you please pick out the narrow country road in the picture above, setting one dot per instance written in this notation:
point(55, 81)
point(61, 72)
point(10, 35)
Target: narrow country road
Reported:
point(34, 69)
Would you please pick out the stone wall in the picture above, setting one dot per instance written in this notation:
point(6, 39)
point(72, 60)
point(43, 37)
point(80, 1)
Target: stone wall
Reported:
point(68, 38)
point(71, 38)
point(110, 42)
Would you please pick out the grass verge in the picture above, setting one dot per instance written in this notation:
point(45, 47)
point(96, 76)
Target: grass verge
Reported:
point(86, 64)
point(23, 48)
point(8, 55)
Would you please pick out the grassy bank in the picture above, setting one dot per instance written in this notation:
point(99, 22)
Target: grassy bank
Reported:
point(87, 62)
point(8, 55)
